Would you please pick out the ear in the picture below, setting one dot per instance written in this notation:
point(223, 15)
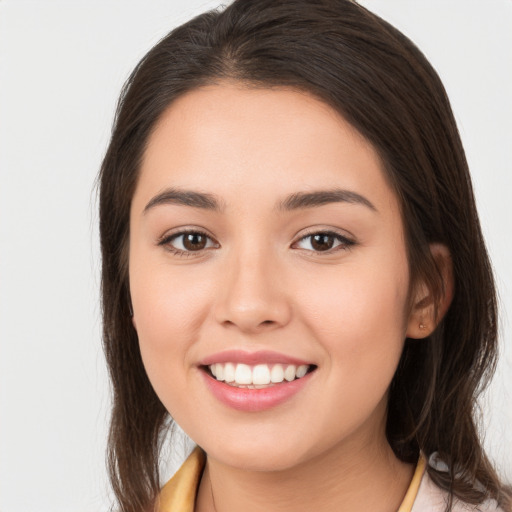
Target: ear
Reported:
point(425, 314)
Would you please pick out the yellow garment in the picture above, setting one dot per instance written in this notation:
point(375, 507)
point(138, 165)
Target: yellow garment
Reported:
point(412, 492)
point(179, 493)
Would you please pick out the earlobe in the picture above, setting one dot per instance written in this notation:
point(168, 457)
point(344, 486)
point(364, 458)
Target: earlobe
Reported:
point(427, 312)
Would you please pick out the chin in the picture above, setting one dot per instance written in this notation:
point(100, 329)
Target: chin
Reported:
point(258, 460)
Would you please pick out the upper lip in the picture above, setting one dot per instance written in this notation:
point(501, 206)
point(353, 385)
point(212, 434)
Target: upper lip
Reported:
point(251, 358)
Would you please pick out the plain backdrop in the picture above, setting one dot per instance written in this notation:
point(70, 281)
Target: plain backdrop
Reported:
point(62, 65)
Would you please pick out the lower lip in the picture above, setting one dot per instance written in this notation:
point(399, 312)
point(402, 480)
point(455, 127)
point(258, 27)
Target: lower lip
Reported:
point(254, 400)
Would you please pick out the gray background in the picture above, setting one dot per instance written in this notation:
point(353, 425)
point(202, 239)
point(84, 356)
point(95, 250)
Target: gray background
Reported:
point(62, 64)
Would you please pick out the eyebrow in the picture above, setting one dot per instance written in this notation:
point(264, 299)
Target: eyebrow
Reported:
point(186, 198)
point(296, 201)
point(301, 200)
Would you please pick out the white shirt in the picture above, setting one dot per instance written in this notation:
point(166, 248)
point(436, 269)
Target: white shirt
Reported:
point(430, 498)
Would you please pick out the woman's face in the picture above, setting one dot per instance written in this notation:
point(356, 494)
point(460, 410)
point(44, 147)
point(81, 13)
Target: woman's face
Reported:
point(265, 242)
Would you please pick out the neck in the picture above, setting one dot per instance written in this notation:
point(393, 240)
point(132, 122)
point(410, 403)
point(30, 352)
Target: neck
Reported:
point(369, 477)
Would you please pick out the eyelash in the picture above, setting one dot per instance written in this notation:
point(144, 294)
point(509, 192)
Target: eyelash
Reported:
point(166, 242)
point(344, 245)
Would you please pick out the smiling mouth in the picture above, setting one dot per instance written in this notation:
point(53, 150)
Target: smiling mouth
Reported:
point(257, 376)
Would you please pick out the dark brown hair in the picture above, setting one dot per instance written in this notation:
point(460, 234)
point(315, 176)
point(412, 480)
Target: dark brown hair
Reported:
point(382, 84)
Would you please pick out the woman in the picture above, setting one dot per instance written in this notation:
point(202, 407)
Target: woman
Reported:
point(293, 270)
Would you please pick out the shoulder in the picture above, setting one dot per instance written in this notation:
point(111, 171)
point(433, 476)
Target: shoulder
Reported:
point(431, 498)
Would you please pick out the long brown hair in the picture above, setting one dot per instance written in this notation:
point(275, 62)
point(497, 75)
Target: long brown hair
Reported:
point(382, 84)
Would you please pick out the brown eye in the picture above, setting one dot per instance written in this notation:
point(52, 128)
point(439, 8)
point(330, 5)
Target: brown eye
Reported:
point(194, 241)
point(324, 242)
point(188, 242)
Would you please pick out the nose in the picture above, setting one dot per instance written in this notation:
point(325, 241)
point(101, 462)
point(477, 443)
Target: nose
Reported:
point(252, 295)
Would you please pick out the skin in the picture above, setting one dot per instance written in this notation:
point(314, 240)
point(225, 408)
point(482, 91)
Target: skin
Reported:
point(259, 284)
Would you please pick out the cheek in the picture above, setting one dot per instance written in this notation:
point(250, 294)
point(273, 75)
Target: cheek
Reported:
point(358, 315)
point(166, 304)
point(169, 309)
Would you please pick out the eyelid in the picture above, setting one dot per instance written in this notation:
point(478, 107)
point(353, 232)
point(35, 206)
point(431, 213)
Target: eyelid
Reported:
point(346, 242)
point(166, 239)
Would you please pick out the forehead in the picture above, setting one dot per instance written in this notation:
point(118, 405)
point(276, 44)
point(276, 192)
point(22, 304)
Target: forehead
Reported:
point(235, 141)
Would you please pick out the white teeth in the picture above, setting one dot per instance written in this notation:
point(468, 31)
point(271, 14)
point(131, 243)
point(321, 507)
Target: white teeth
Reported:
point(243, 374)
point(259, 375)
point(301, 371)
point(289, 373)
point(229, 371)
point(277, 374)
